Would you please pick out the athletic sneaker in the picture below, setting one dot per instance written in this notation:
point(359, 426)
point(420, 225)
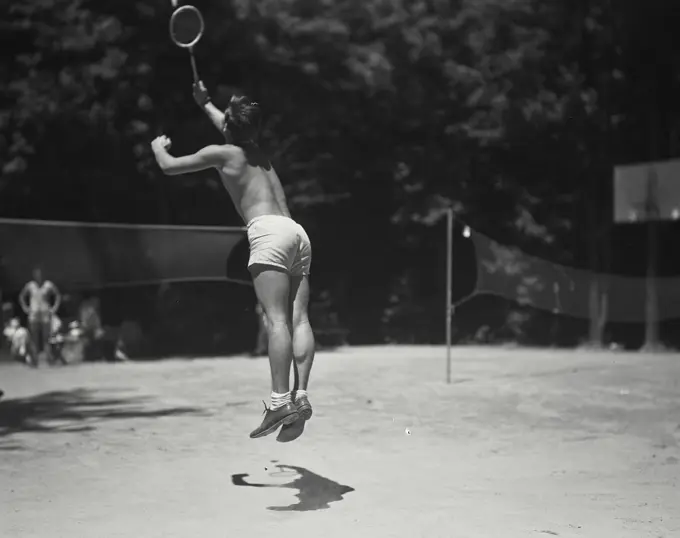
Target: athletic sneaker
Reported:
point(275, 418)
point(290, 432)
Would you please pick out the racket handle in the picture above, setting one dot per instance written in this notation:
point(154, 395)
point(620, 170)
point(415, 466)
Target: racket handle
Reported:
point(193, 64)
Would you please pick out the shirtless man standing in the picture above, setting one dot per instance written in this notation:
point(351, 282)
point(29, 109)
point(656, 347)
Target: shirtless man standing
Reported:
point(280, 251)
point(35, 302)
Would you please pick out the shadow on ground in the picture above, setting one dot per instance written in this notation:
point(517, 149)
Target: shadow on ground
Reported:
point(315, 492)
point(75, 411)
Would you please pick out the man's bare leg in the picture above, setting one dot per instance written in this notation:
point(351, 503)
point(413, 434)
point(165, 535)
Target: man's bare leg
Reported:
point(272, 287)
point(46, 328)
point(303, 353)
point(303, 336)
point(34, 335)
point(262, 333)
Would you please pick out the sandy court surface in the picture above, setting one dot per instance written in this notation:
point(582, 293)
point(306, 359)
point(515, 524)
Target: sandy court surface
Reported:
point(520, 444)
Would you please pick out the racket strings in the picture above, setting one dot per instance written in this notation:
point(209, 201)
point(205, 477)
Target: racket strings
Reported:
point(186, 26)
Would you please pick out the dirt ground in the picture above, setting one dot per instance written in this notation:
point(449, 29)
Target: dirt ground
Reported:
point(520, 444)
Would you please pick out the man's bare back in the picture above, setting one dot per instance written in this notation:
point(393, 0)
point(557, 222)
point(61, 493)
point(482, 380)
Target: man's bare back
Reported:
point(254, 186)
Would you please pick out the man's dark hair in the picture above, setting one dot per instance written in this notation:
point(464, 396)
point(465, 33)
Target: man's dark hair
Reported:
point(242, 118)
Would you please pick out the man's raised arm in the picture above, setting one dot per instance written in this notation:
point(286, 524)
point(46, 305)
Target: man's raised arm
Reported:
point(202, 98)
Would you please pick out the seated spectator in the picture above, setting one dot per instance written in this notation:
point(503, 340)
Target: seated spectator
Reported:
point(19, 340)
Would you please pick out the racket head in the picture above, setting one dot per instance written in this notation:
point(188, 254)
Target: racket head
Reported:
point(186, 26)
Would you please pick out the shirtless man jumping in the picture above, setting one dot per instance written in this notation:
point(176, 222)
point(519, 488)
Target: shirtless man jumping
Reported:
point(35, 302)
point(280, 251)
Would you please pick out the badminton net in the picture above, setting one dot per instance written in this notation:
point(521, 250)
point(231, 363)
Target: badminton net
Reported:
point(528, 280)
point(95, 255)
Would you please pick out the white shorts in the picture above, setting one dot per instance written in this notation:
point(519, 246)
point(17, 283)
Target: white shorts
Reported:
point(280, 242)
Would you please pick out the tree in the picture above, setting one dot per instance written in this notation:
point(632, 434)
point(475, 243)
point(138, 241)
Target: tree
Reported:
point(379, 116)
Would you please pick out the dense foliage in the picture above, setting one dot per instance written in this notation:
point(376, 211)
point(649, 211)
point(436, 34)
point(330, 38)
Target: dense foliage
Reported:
point(379, 115)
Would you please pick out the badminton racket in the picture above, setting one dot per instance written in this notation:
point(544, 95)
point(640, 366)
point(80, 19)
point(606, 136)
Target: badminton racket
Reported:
point(186, 30)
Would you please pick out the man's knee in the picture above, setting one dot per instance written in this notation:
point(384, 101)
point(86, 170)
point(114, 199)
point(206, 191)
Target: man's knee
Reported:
point(301, 320)
point(277, 322)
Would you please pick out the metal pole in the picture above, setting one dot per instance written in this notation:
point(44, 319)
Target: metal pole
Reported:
point(652, 210)
point(449, 285)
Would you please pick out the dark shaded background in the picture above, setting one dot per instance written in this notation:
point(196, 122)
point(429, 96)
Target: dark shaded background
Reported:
point(379, 115)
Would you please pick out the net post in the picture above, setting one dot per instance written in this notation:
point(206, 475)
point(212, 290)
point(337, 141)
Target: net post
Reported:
point(651, 306)
point(449, 285)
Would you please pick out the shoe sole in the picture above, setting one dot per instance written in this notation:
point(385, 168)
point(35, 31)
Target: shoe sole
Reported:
point(305, 412)
point(291, 432)
point(288, 419)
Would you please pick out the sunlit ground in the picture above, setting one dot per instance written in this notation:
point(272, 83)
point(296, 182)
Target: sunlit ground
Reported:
point(520, 444)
